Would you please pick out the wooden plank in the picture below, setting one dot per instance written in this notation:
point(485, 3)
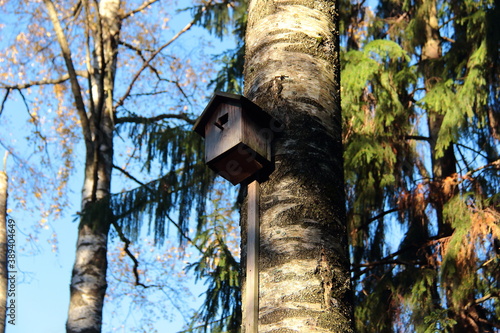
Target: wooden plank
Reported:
point(252, 282)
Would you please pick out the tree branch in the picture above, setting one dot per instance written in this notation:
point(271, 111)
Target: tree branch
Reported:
point(146, 63)
point(364, 225)
point(145, 120)
point(482, 299)
point(495, 164)
point(75, 86)
point(135, 269)
point(126, 173)
point(479, 153)
point(417, 137)
point(144, 5)
point(58, 80)
point(139, 53)
point(4, 100)
point(390, 258)
point(152, 68)
point(185, 236)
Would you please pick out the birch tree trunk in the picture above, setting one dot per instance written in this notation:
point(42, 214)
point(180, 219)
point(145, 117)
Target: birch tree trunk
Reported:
point(3, 249)
point(88, 282)
point(292, 71)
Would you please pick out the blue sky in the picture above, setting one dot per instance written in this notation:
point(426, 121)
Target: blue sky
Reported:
point(43, 278)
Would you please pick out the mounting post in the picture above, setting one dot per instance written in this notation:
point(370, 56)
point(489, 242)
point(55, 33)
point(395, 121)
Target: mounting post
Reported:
point(252, 271)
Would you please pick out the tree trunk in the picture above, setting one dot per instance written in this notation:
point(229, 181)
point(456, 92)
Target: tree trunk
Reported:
point(88, 282)
point(292, 71)
point(3, 249)
point(444, 166)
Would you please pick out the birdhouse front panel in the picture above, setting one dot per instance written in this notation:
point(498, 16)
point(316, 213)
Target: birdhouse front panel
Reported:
point(223, 130)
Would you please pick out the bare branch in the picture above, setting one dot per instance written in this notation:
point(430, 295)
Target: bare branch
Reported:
point(139, 53)
point(146, 63)
point(4, 100)
point(447, 39)
point(126, 173)
point(375, 218)
point(417, 137)
point(479, 153)
point(144, 5)
point(45, 82)
point(482, 299)
point(75, 86)
point(36, 123)
point(126, 241)
point(135, 48)
point(145, 120)
point(494, 164)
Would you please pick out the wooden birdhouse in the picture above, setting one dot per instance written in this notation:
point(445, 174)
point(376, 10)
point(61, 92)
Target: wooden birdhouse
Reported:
point(238, 136)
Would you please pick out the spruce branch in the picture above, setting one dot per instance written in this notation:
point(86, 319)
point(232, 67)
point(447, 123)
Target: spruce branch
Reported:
point(149, 189)
point(146, 120)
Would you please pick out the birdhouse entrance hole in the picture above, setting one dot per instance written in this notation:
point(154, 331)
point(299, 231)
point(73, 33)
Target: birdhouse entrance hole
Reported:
point(221, 121)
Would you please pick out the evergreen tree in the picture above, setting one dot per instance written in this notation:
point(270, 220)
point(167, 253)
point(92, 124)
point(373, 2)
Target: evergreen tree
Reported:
point(420, 100)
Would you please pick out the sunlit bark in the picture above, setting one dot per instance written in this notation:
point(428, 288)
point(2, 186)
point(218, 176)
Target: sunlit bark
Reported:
point(292, 71)
point(88, 282)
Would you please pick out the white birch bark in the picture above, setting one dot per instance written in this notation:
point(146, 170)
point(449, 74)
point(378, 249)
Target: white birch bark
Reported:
point(292, 71)
point(88, 282)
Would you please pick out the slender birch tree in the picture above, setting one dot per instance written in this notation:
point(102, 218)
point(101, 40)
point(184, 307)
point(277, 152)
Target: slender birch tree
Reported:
point(77, 47)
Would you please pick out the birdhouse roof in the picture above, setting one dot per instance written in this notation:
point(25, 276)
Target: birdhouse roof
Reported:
point(252, 109)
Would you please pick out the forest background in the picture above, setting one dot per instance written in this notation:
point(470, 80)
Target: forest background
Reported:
point(421, 119)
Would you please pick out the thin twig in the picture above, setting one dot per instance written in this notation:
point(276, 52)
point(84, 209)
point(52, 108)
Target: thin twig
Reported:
point(144, 5)
point(58, 80)
point(126, 173)
point(146, 64)
point(364, 225)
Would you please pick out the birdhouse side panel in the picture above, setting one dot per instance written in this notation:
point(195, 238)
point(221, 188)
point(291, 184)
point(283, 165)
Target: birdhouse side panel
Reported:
point(223, 131)
point(256, 137)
